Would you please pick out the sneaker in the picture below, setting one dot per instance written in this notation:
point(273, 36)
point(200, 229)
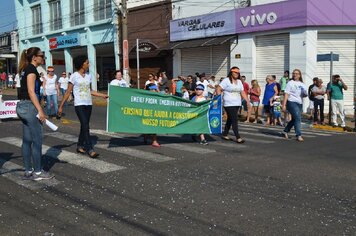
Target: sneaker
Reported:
point(28, 175)
point(42, 176)
point(300, 139)
point(285, 134)
point(204, 142)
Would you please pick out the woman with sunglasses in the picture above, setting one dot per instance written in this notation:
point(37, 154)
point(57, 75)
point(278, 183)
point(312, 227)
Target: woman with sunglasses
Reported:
point(79, 83)
point(31, 114)
point(295, 91)
point(233, 91)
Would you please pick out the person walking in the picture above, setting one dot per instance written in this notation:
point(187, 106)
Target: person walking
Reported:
point(233, 91)
point(51, 91)
point(271, 90)
point(31, 114)
point(255, 93)
point(319, 91)
point(79, 83)
point(295, 91)
point(336, 94)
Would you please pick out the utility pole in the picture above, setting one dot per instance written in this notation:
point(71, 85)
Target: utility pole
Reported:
point(125, 43)
point(118, 32)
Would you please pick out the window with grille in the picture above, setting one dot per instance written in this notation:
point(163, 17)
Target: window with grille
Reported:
point(78, 12)
point(102, 9)
point(55, 14)
point(36, 20)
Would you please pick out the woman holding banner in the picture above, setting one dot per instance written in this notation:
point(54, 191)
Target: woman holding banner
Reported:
point(233, 91)
point(79, 83)
point(31, 114)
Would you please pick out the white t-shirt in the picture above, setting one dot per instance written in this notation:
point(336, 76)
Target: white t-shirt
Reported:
point(186, 95)
point(11, 78)
point(81, 89)
point(51, 85)
point(205, 83)
point(64, 82)
point(149, 82)
point(232, 92)
point(120, 83)
point(212, 83)
point(17, 81)
point(296, 90)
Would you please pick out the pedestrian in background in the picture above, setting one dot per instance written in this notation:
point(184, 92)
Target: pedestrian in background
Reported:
point(293, 102)
point(270, 91)
point(3, 80)
point(255, 93)
point(213, 83)
point(11, 81)
point(336, 94)
point(319, 91)
point(246, 90)
point(311, 96)
point(162, 82)
point(118, 80)
point(51, 91)
point(199, 97)
point(31, 114)
point(153, 88)
point(17, 84)
point(80, 84)
point(233, 92)
point(63, 83)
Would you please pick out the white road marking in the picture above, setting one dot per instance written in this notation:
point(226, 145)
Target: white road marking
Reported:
point(71, 158)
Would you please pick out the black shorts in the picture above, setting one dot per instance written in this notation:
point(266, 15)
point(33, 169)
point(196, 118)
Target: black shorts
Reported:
point(267, 109)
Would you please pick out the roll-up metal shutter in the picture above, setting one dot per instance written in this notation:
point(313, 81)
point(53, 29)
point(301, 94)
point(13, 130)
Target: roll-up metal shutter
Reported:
point(272, 53)
point(213, 60)
point(345, 46)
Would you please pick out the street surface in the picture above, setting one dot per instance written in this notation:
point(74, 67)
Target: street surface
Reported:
point(267, 186)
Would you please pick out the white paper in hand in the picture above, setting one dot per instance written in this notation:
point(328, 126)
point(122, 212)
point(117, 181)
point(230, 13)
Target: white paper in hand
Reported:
point(50, 124)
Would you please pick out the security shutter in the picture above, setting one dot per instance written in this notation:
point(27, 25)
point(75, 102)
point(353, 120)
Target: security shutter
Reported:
point(272, 57)
point(213, 60)
point(345, 46)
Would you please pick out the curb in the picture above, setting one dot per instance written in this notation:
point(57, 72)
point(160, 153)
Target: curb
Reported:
point(331, 128)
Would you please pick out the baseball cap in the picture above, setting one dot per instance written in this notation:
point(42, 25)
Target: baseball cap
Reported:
point(200, 87)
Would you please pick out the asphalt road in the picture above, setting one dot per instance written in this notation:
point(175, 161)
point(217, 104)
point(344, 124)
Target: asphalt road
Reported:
point(267, 186)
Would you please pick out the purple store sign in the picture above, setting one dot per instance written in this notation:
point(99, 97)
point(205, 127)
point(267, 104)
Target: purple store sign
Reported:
point(282, 15)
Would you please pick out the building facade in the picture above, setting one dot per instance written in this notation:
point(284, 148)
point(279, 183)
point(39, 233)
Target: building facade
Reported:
point(8, 52)
point(270, 38)
point(64, 29)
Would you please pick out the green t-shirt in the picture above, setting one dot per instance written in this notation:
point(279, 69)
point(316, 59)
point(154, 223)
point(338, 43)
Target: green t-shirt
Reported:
point(283, 83)
point(336, 91)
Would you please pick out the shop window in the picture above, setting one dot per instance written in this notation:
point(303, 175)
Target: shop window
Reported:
point(102, 9)
point(55, 14)
point(36, 20)
point(78, 13)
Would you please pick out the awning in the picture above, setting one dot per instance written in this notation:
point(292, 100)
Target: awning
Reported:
point(7, 56)
point(200, 42)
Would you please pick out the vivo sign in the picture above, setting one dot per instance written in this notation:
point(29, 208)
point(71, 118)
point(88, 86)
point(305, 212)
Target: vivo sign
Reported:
point(258, 19)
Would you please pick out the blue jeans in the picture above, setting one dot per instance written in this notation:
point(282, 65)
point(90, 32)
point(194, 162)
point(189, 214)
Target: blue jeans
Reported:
point(84, 113)
point(32, 135)
point(53, 98)
point(295, 109)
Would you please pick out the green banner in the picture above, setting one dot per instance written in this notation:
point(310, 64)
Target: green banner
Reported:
point(147, 112)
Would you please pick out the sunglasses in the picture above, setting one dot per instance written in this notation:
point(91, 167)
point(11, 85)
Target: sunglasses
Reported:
point(199, 89)
point(41, 55)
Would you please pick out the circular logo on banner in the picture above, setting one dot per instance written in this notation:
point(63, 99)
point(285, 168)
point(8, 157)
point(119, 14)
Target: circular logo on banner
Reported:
point(214, 122)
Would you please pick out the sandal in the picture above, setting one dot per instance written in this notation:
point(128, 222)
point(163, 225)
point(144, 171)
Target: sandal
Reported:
point(81, 151)
point(156, 145)
point(93, 154)
point(227, 138)
point(240, 140)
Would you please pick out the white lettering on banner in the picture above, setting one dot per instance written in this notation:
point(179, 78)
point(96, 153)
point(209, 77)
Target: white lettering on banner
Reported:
point(8, 109)
point(271, 18)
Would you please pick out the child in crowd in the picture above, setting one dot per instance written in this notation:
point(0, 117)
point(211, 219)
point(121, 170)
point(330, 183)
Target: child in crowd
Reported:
point(185, 93)
point(153, 88)
point(277, 108)
point(199, 97)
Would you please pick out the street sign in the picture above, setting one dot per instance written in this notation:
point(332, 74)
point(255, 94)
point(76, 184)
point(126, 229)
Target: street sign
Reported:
point(327, 57)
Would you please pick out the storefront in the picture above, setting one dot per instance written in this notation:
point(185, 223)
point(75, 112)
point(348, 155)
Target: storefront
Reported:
point(272, 38)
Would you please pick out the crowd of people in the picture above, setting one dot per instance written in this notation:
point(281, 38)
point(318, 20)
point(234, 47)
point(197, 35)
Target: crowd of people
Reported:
point(282, 102)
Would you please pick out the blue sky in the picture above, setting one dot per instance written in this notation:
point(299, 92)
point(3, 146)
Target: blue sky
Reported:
point(7, 16)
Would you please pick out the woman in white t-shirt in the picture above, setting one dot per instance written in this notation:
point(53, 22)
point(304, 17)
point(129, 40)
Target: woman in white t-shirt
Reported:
point(51, 91)
point(79, 83)
point(293, 102)
point(233, 91)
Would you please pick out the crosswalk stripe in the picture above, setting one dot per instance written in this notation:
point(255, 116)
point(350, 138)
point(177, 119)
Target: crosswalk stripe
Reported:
point(71, 158)
point(313, 132)
point(261, 135)
point(303, 133)
point(198, 150)
point(156, 157)
point(15, 172)
point(118, 149)
point(227, 144)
